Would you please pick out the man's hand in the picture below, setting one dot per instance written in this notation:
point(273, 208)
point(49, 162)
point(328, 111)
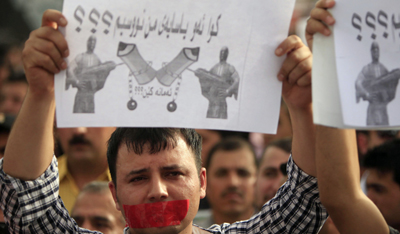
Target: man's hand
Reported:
point(319, 20)
point(44, 53)
point(295, 72)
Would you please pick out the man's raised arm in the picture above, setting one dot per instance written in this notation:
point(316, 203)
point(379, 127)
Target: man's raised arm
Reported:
point(337, 159)
point(295, 75)
point(30, 146)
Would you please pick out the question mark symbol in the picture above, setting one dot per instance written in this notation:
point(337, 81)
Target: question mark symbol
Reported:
point(371, 24)
point(383, 23)
point(78, 18)
point(107, 21)
point(357, 26)
point(94, 21)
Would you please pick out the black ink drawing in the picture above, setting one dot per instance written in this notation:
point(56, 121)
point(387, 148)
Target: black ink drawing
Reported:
point(144, 73)
point(377, 85)
point(88, 75)
point(220, 82)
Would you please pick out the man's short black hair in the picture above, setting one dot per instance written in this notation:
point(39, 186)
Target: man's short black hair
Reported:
point(157, 139)
point(385, 158)
point(230, 144)
point(284, 144)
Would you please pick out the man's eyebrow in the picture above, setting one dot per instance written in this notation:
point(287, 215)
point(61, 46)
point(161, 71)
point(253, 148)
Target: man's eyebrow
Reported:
point(172, 167)
point(101, 218)
point(139, 171)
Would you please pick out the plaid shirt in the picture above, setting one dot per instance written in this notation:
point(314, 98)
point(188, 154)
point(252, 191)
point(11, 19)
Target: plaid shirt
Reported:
point(35, 207)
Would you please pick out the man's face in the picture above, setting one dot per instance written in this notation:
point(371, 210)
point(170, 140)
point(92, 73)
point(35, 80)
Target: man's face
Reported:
point(165, 176)
point(223, 55)
point(385, 193)
point(91, 44)
point(11, 97)
point(375, 53)
point(84, 144)
point(96, 212)
point(231, 181)
point(269, 176)
point(3, 142)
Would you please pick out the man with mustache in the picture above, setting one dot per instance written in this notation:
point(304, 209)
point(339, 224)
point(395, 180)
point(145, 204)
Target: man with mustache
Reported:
point(231, 177)
point(83, 148)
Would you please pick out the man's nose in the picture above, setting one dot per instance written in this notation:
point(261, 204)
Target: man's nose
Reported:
point(233, 179)
point(158, 190)
point(87, 224)
point(80, 131)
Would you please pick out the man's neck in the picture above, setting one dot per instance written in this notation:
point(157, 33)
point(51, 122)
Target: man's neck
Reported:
point(85, 172)
point(220, 218)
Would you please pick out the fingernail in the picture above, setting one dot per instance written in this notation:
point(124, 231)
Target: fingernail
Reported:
point(329, 20)
point(66, 53)
point(327, 32)
point(281, 77)
point(278, 51)
point(62, 21)
point(63, 65)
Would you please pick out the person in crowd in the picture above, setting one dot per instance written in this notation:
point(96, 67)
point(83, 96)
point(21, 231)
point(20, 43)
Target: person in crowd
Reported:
point(94, 209)
point(6, 122)
point(231, 176)
point(83, 148)
point(12, 94)
point(270, 175)
point(151, 168)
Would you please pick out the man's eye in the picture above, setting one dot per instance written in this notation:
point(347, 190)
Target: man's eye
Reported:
point(137, 179)
point(270, 174)
point(174, 174)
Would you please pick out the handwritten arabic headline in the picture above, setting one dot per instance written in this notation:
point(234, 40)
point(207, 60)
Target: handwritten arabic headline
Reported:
point(373, 21)
point(147, 91)
point(174, 24)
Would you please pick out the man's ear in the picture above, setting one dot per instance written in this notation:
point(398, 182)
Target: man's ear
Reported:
point(203, 182)
point(113, 190)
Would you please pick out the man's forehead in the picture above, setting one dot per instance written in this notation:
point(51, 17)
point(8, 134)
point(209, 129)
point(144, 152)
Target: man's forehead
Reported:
point(239, 158)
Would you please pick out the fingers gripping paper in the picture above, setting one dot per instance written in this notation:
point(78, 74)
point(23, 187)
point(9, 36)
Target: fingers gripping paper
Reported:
point(159, 214)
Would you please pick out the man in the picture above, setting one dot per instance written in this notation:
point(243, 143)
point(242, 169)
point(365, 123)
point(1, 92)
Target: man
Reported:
point(88, 75)
point(269, 175)
point(378, 94)
point(12, 94)
point(231, 176)
point(337, 160)
point(157, 175)
point(383, 181)
point(95, 209)
point(83, 148)
point(224, 82)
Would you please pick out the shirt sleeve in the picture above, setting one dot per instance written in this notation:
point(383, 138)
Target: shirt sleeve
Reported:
point(393, 231)
point(34, 206)
point(296, 208)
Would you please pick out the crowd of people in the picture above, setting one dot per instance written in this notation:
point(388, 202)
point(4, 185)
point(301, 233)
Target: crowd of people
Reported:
point(305, 179)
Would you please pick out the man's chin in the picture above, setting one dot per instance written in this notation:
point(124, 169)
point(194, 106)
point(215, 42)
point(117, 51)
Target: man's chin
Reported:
point(175, 229)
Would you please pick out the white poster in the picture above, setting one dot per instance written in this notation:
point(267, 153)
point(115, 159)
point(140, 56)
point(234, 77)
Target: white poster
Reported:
point(367, 48)
point(175, 63)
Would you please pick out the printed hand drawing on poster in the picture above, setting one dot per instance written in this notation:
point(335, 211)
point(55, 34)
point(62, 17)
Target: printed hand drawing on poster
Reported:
point(146, 63)
point(367, 47)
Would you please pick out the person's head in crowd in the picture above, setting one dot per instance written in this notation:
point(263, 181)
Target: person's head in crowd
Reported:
point(284, 126)
point(212, 137)
point(95, 210)
point(84, 144)
point(12, 94)
point(383, 181)
point(269, 175)
point(367, 140)
point(231, 177)
point(6, 122)
point(151, 165)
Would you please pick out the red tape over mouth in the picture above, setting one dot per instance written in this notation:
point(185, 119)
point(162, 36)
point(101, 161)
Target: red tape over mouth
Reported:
point(159, 214)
